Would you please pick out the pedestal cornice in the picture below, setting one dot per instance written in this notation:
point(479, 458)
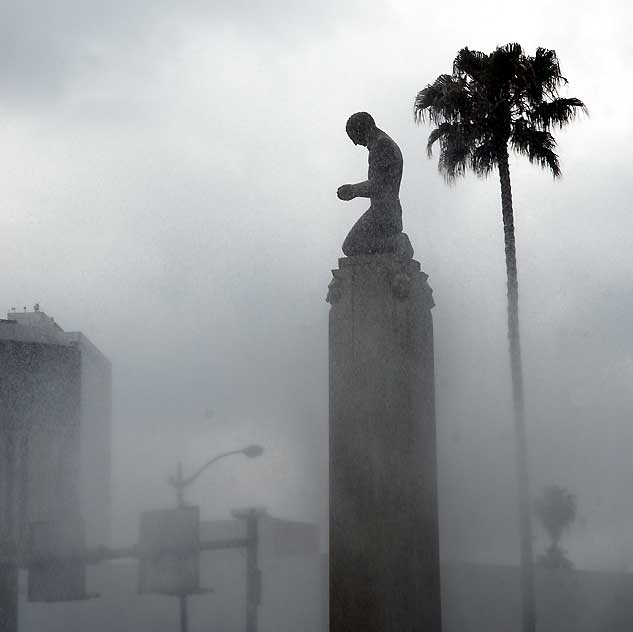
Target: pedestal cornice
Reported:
point(401, 272)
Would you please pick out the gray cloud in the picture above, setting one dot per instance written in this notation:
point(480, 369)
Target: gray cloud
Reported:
point(46, 47)
point(169, 190)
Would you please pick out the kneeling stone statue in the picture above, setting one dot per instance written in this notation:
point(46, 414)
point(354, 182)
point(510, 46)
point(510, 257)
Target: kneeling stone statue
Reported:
point(379, 230)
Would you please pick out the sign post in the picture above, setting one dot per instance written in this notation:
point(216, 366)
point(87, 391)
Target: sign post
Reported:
point(253, 573)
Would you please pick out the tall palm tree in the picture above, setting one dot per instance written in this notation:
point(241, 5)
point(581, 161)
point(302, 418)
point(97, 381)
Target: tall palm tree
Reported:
point(490, 103)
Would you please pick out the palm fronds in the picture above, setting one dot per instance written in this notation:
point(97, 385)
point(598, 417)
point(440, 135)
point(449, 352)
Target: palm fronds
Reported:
point(492, 100)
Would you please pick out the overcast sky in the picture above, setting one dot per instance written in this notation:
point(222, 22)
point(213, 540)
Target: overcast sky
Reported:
point(168, 187)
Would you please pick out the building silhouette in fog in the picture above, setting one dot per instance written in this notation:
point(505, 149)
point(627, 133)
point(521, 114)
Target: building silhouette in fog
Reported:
point(55, 418)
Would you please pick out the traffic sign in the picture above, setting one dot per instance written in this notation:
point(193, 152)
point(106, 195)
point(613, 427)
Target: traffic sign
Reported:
point(169, 551)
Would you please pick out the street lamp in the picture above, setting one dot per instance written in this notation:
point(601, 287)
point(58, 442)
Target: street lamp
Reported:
point(179, 483)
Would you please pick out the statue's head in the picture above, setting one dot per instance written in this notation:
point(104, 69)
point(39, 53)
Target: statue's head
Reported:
point(359, 126)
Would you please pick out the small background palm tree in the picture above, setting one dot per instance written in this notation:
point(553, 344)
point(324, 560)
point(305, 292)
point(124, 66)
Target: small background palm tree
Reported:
point(556, 509)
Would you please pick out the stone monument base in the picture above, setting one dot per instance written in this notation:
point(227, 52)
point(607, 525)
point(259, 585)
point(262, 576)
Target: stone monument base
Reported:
point(384, 552)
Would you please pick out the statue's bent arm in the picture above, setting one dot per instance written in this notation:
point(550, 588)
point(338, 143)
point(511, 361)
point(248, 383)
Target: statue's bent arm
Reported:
point(362, 189)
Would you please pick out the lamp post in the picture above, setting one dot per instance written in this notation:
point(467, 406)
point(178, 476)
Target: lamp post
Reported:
point(179, 484)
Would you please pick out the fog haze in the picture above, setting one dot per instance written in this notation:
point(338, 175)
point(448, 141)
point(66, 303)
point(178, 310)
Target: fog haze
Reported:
point(169, 177)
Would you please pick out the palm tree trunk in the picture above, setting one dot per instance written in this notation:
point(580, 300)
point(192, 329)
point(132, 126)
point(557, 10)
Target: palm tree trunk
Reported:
point(525, 523)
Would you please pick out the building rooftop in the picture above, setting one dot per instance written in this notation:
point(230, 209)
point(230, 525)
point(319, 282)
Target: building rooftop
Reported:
point(33, 326)
point(37, 326)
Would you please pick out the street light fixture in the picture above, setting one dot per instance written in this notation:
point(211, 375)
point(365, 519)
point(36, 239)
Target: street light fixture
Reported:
point(253, 451)
point(179, 483)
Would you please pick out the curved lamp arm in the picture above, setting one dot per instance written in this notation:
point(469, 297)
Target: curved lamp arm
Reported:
point(194, 476)
point(250, 451)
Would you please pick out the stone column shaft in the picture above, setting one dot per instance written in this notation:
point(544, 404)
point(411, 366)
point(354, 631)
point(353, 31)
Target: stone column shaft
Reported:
point(384, 551)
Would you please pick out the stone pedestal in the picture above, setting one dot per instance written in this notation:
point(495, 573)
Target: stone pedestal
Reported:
point(384, 552)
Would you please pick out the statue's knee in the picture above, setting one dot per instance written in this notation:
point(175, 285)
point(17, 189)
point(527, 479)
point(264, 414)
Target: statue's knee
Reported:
point(349, 246)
